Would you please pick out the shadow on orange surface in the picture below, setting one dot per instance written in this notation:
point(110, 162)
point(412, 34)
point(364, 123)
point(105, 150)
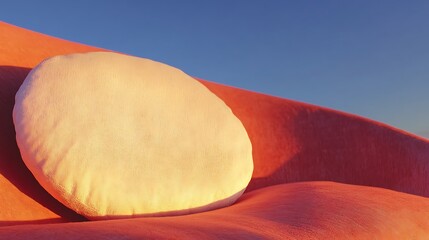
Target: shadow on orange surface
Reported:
point(223, 203)
point(11, 165)
point(27, 222)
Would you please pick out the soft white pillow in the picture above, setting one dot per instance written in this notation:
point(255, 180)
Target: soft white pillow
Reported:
point(111, 135)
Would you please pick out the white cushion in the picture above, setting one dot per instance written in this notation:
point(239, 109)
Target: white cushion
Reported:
point(111, 136)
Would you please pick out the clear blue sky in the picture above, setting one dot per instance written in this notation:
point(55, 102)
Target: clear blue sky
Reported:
point(370, 58)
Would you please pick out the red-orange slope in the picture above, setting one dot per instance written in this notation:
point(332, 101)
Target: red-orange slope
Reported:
point(316, 210)
point(292, 142)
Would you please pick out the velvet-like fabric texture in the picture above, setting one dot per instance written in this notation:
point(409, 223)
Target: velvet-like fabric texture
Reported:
point(111, 135)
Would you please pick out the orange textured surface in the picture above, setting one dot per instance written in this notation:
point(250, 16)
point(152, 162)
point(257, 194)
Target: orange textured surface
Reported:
point(310, 210)
point(292, 142)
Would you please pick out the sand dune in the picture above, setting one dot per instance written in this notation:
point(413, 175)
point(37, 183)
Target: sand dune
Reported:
point(292, 142)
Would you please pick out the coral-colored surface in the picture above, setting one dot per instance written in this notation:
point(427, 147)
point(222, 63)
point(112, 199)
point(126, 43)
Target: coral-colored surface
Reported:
point(292, 142)
point(316, 210)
